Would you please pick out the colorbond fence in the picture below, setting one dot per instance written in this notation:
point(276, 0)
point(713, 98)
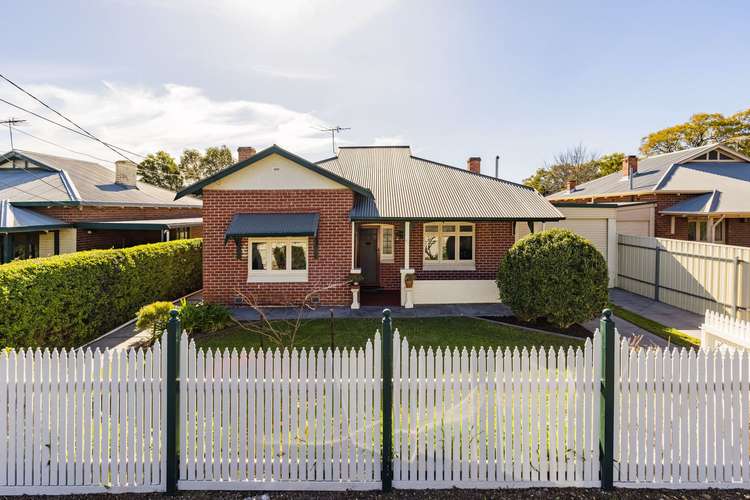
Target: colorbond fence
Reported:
point(690, 275)
point(83, 421)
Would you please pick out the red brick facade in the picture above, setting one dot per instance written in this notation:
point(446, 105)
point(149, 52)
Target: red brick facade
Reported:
point(492, 241)
point(224, 275)
point(96, 239)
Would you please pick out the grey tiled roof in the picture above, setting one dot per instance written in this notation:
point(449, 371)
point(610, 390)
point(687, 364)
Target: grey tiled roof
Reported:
point(408, 187)
point(66, 180)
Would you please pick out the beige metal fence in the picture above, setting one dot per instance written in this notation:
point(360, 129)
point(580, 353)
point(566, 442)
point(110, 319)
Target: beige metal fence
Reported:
point(687, 274)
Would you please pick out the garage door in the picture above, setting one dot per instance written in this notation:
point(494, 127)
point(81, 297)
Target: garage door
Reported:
point(594, 230)
point(633, 227)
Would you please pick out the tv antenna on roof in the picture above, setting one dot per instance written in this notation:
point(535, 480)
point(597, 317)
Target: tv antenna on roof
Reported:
point(10, 122)
point(334, 131)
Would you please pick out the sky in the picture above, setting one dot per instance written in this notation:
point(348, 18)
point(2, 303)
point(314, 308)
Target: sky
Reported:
point(523, 80)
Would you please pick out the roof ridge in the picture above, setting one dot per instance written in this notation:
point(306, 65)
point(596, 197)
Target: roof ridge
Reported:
point(681, 150)
point(498, 179)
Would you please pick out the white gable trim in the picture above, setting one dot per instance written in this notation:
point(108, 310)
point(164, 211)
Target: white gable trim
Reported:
point(274, 173)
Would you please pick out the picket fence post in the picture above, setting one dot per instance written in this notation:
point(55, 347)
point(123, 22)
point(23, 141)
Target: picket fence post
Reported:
point(173, 332)
point(387, 387)
point(607, 406)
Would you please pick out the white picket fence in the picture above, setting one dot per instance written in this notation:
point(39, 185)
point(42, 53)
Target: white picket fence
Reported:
point(272, 420)
point(682, 418)
point(720, 330)
point(496, 418)
point(81, 421)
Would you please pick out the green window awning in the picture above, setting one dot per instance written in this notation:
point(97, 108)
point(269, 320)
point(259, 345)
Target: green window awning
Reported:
point(271, 225)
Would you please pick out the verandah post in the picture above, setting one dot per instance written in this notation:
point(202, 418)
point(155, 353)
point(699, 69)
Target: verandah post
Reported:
point(173, 332)
point(387, 399)
point(607, 406)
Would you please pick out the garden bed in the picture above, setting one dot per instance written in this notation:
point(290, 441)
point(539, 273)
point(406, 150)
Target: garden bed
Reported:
point(576, 330)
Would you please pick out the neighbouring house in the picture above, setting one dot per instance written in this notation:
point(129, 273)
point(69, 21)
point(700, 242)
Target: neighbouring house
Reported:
point(697, 194)
point(52, 205)
point(278, 227)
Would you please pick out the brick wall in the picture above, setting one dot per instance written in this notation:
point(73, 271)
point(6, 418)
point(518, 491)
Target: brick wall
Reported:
point(96, 239)
point(224, 274)
point(738, 232)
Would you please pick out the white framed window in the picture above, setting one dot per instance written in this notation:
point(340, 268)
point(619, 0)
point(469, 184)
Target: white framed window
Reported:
point(387, 243)
point(449, 245)
point(698, 230)
point(277, 260)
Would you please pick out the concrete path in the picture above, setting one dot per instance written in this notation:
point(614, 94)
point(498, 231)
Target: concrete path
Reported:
point(663, 313)
point(127, 335)
point(422, 311)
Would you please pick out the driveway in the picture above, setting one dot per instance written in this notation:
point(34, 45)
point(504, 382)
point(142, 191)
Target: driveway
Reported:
point(658, 311)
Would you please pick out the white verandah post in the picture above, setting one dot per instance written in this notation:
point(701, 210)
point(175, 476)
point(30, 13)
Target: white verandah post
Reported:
point(407, 268)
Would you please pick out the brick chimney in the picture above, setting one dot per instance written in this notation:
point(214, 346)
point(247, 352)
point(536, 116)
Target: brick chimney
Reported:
point(571, 185)
point(474, 164)
point(244, 152)
point(125, 173)
point(629, 165)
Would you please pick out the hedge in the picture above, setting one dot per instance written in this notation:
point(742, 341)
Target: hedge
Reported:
point(67, 300)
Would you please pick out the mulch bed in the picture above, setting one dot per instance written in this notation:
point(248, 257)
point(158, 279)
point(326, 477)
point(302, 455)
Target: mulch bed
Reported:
point(574, 330)
point(533, 493)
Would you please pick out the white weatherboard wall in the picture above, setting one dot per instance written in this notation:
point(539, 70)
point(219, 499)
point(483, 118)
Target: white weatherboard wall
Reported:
point(275, 172)
point(596, 224)
point(455, 292)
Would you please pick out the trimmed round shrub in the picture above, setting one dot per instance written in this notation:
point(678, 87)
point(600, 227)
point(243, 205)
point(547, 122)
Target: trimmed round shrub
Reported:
point(555, 275)
point(154, 316)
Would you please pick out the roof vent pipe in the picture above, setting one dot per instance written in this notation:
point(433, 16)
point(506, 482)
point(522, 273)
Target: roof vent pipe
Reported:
point(497, 167)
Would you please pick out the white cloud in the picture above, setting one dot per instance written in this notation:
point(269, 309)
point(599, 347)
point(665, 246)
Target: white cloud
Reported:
point(393, 140)
point(172, 118)
point(290, 75)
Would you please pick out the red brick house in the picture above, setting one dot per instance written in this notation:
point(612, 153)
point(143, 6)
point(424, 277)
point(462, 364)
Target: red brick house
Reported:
point(697, 194)
point(278, 227)
point(53, 205)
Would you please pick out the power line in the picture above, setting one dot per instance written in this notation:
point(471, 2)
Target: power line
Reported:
point(89, 134)
point(64, 147)
point(65, 126)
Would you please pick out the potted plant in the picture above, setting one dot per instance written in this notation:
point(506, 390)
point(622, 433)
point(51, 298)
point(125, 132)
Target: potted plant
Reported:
point(355, 279)
point(409, 280)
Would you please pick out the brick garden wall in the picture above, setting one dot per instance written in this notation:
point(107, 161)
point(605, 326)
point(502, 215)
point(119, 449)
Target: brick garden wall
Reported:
point(224, 274)
point(98, 239)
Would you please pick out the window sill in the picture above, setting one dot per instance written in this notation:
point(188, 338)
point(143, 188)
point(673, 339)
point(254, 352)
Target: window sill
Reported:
point(386, 260)
point(452, 266)
point(282, 277)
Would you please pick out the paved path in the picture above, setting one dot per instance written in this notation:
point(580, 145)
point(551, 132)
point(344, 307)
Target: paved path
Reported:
point(127, 335)
point(663, 313)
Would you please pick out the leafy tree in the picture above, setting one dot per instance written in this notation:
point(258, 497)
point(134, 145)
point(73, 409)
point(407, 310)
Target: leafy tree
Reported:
point(196, 166)
point(160, 169)
point(577, 163)
point(699, 130)
point(215, 159)
point(190, 165)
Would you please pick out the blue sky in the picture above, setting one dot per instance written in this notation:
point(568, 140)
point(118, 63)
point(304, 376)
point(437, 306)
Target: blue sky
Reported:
point(452, 79)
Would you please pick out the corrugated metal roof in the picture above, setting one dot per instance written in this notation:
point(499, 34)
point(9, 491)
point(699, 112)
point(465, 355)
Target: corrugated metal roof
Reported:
point(651, 169)
point(408, 187)
point(277, 224)
point(729, 184)
point(153, 224)
point(15, 219)
point(66, 180)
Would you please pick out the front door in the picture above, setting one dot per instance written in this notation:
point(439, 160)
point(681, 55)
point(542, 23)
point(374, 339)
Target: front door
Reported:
point(368, 256)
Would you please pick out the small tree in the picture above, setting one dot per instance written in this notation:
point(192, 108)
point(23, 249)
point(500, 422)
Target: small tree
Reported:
point(556, 275)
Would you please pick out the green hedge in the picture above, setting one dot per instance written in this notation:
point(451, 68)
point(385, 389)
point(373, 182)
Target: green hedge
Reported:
point(67, 300)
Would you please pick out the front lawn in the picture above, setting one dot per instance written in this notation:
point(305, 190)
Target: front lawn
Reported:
point(452, 331)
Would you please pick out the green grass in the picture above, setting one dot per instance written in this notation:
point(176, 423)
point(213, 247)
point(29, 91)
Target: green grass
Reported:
point(673, 335)
point(452, 332)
